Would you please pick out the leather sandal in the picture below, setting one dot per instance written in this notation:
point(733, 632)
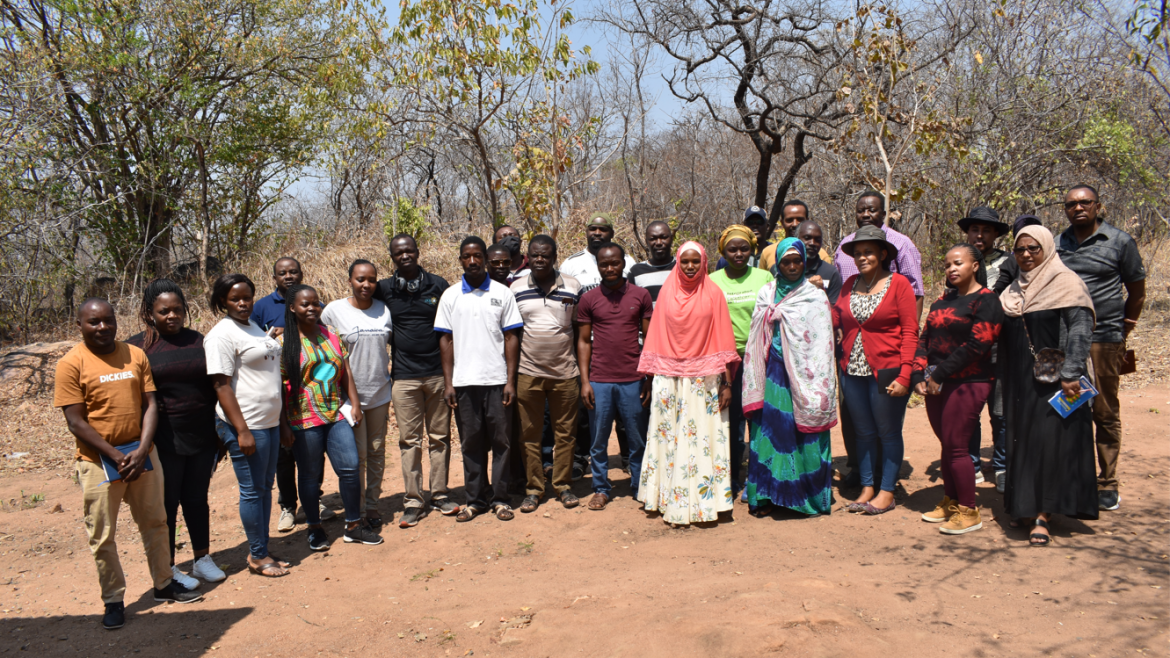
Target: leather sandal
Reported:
point(504, 512)
point(467, 513)
point(1037, 539)
point(530, 504)
point(569, 500)
point(598, 502)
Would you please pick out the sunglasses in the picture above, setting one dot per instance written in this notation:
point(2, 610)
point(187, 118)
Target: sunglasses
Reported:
point(1071, 205)
point(1031, 249)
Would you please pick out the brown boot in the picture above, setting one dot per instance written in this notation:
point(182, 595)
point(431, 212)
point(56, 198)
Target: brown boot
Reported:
point(966, 520)
point(942, 512)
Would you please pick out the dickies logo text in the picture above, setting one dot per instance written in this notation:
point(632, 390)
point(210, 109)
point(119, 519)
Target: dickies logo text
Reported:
point(115, 377)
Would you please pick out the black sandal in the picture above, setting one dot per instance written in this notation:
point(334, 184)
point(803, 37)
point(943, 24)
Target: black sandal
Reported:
point(1037, 539)
point(504, 512)
point(530, 504)
point(569, 500)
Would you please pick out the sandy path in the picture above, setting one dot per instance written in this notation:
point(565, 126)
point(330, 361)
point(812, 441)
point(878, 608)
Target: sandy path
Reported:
point(616, 583)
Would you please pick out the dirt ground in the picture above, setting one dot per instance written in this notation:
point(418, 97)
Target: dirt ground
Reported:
point(617, 583)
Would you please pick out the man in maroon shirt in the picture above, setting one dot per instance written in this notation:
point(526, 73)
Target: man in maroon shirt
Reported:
point(612, 315)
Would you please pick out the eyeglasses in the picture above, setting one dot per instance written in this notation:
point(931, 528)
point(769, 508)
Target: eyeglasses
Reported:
point(1031, 249)
point(1071, 205)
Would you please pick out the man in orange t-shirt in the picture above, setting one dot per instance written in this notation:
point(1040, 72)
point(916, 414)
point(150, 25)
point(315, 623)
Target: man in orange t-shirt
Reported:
point(106, 391)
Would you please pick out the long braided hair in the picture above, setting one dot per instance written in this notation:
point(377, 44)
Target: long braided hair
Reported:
point(153, 291)
point(291, 354)
point(977, 256)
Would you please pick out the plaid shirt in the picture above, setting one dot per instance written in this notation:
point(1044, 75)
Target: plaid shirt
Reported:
point(908, 263)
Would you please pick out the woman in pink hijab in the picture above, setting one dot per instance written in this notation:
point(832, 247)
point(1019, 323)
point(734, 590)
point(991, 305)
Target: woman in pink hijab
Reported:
point(690, 350)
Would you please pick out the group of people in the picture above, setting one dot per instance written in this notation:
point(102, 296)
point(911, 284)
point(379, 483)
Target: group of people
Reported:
point(723, 385)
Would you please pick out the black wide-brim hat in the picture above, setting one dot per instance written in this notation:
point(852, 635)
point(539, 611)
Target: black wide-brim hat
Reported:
point(870, 233)
point(984, 215)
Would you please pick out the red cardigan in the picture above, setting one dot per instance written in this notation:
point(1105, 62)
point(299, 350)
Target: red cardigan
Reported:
point(890, 336)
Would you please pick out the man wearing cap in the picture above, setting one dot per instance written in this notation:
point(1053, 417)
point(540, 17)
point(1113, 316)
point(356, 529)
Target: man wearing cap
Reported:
point(757, 220)
point(1107, 260)
point(509, 237)
point(582, 265)
point(983, 228)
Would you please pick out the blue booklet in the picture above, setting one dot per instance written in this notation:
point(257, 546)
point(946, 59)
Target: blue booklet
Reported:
point(111, 469)
point(1064, 406)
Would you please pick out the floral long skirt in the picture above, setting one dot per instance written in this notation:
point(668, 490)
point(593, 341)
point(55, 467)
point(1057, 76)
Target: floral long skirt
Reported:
point(685, 473)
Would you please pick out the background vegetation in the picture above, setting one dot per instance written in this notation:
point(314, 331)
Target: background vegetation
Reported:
point(141, 138)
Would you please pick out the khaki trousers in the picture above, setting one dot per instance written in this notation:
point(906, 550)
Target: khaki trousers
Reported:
point(563, 396)
point(421, 411)
point(1107, 410)
point(371, 446)
point(101, 502)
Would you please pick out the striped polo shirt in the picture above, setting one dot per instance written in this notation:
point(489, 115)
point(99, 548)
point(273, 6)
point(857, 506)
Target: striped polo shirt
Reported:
point(546, 347)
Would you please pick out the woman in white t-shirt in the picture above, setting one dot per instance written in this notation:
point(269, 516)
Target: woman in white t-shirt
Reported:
point(244, 363)
point(363, 323)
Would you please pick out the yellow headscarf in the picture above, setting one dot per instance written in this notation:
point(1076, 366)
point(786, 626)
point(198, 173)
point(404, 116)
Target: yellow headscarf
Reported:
point(737, 231)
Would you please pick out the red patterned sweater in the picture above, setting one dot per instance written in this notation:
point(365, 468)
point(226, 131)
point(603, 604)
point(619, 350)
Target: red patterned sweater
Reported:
point(957, 338)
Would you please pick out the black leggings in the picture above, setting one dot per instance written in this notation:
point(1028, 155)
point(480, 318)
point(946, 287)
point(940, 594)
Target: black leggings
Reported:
point(186, 481)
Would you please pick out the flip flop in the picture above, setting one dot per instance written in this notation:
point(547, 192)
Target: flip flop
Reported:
point(269, 570)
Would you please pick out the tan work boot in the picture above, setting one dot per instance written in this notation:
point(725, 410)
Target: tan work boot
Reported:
point(966, 520)
point(942, 512)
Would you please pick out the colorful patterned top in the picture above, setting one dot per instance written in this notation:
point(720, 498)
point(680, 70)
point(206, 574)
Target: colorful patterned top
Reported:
point(958, 336)
point(323, 388)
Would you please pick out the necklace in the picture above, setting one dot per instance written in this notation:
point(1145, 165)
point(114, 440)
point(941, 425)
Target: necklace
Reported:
point(869, 284)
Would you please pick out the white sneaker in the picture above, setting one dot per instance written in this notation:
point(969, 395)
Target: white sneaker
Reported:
point(183, 579)
point(326, 513)
point(206, 569)
point(978, 476)
point(288, 520)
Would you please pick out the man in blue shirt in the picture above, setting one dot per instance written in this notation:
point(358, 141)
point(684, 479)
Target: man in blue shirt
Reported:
point(268, 312)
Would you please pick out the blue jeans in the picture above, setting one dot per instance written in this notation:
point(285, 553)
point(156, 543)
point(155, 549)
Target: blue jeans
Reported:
point(876, 416)
point(255, 474)
point(309, 450)
point(998, 443)
point(610, 402)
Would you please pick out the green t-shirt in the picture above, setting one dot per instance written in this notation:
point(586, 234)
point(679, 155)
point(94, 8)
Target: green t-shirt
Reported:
point(741, 299)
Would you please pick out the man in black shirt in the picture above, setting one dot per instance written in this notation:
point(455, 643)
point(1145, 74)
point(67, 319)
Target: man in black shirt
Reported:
point(821, 274)
point(651, 274)
point(412, 295)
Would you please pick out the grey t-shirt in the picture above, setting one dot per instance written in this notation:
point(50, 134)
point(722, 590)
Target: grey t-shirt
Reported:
point(1106, 261)
point(366, 335)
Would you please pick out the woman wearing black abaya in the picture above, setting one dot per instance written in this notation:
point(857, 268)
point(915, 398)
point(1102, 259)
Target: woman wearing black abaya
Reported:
point(1051, 467)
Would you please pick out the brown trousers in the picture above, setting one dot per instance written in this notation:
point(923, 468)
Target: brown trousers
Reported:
point(1107, 359)
point(101, 502)
point(423, 417)
point(563, 396)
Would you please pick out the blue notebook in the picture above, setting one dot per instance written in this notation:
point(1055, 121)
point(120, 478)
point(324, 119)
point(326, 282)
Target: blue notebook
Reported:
point(1065, 406)
point(111, 469)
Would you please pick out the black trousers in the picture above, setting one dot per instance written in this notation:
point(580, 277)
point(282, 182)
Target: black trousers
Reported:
point(186, 480)
point(286, 480)
point(485, 427)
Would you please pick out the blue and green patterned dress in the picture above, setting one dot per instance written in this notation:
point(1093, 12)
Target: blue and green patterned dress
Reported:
point(786, 467)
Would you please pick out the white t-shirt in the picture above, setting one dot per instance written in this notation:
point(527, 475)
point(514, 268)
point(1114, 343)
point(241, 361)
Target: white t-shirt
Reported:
point(252, 359)
point(477, 318)
point(366, 335)
point(582, 266)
